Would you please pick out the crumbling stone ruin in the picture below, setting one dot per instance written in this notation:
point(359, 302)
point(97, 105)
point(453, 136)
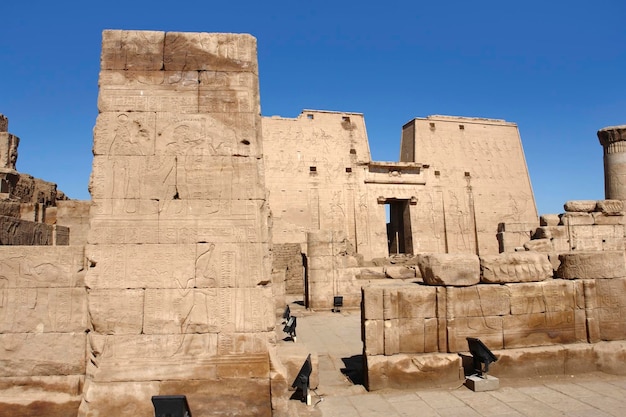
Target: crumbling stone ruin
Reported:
point(205, 216)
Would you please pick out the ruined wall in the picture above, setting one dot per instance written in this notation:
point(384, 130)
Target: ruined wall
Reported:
point(510, 301)
point(179, 240)
point(43, 325)
point(480, 180)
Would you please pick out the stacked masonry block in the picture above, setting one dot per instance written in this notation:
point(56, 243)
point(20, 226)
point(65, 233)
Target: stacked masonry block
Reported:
point(519, 303)
point(179, 238)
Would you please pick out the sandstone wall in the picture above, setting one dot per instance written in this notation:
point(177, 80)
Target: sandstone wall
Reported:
point(515, 303)
point(179, 275)
point(43, 325)
point(480, 178)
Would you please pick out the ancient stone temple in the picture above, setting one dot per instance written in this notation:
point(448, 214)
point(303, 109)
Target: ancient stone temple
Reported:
point(205, 215)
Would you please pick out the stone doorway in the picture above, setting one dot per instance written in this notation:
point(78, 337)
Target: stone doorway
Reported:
point(399, 236)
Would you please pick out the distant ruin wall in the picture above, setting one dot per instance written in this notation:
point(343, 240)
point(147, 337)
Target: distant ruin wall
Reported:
point(288, 257)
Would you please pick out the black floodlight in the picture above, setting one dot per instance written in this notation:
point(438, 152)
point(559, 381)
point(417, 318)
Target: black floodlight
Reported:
point(481, 355)
point(287, 313)
point(337, 303)
point(302, 379)
point(171, 406)
point(290, 328)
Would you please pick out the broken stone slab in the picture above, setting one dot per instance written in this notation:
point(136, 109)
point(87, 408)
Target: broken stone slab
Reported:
point(576, 218)
point(515, 267)
point(549, 220)
point(582, 206)
point(409, 371)
point(449, 269)
point(610, 207)
point(399, 272)
point(592, 265)
point(539, 245)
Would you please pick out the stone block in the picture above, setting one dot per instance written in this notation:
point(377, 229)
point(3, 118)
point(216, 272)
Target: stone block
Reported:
point(580, 206)
point(43, 310)
point(478, 301)
point(417, 335)
point(487, 328)
point(442, 308)
point(611, 357)
point(124, 134)
point(416, 301)
point(228, 92)
point(208, 310)
point(114, 399)
point(21, 232)
point(372, 302)
point(551, 232)
point(515, 267)
point(610, 308)
point(214, 134)
point(41, 354)
point(608, 218)
point(210, 52)
point(529, 362)
point(610, 207)
point(392, 336)
point(591, 265)
point(132, 50)
point(407, 371)
point(576, 218)
point(41, 267)
point(374, 337)
point(549, 220)
point(167, 178)
point(481, 384)
point(148, 91)
point(449, 269)
point(540, 329)
point(539, 245)
point(116, 311)
point(52, 396)
point(399, 272)
point(552, 296)
point(119, 221)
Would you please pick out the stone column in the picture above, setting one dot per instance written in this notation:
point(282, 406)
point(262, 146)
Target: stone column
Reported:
point(613, 140)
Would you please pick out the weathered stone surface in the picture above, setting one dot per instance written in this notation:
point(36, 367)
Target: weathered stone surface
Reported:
point(611, 357)
point(549, 220)
point(21, 232)
point(374, 337)
point(416, 301)
point(591, 265)
point(549, 328)
point(413, 371)
point(132, 50)
point(539, 245)
point(610, 206)
point(116, 311)
point(8, 150)
point(4, 123)
point(32, 267)
point(40, 354)
point(606, 305)
point(148, 91)
point(515, 267)
point(608, 218)
point(208, 310)
point(372, 302)
point(74, 214)
point(488, 328)
point(43, 310)
point(399, 272)
point(449, 269)
point(210, 52)
point(52, 396)
point(576, 218)
point(478, 301)
point(582, 206)
point(547, 296)
point(417, 335)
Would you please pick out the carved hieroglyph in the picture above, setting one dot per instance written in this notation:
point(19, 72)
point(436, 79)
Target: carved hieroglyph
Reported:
point(179, 236)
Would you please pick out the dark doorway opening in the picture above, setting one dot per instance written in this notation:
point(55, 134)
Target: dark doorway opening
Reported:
point(399, 236)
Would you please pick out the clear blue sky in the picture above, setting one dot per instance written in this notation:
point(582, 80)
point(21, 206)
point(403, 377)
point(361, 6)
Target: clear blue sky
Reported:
point(556, 68)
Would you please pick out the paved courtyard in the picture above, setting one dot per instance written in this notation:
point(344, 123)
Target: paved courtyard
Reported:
point(336, 338)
